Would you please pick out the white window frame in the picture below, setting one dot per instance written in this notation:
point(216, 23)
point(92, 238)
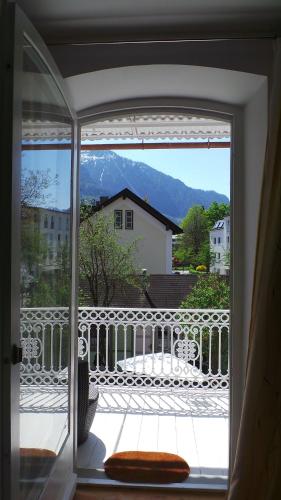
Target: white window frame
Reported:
point(118, 224)
point(129, 225)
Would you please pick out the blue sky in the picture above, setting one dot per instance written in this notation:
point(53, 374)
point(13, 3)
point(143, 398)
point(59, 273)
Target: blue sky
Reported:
point(207, 169)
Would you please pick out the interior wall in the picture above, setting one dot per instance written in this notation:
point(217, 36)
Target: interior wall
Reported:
point(251, 56)
point(255, 130)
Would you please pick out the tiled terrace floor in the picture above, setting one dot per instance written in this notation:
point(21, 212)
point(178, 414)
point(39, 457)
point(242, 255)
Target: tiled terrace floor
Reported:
point(43, 417)
point(193, 424)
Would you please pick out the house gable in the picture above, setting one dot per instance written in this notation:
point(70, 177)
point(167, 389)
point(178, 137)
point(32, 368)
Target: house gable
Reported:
point(126, 193)
point(151, 231)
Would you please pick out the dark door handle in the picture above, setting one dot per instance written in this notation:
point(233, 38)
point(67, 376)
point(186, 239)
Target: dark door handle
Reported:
point(16, 354)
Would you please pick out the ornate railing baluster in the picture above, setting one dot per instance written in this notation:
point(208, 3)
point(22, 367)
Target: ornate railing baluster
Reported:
point(44, 333)
point(161, 348)
point(141, 347)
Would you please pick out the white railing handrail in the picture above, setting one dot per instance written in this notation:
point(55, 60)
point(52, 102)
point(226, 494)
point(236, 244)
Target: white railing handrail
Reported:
point(51, 308)
point(152, 347)
point(163, 309)
point(154, 309)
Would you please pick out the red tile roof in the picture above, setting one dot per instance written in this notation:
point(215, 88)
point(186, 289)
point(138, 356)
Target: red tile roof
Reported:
point(164, 291)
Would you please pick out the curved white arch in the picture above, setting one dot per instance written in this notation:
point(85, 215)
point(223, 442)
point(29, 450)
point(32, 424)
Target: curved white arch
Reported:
point(155, 81)
point(237, 97)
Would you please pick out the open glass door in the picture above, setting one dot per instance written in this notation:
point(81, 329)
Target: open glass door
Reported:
point(42, 295)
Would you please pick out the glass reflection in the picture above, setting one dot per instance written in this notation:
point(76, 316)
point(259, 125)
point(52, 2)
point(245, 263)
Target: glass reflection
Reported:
point(45, 273)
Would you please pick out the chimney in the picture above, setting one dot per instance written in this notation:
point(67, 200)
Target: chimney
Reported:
point(103, 199)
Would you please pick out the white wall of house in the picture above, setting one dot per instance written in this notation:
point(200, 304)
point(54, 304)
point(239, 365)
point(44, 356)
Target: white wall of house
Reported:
point(220, 247)
point(55, 228)
point(154, 241)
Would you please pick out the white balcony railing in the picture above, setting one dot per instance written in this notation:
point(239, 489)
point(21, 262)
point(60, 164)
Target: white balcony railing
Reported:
point(44, 341)
point(129, 347)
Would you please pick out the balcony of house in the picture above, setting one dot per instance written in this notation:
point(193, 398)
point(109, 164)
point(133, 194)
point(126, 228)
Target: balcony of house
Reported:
point(162, 377)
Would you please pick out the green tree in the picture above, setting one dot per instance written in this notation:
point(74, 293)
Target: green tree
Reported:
point(210, 292)
point(87, 209)
point(205, 256)
point(39, 287)
point(195, 235)
point(104, 263)
point(215, 212)
point(194, 245)
point(33, 255)
point(50, 288)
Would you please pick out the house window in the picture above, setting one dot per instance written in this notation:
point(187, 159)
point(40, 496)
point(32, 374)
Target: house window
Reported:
point(118, 219)
point(129, 219)
point(52, 222)
point(59, 222)
point(46, 221)
point(219, 256)
point(215, 240)
point(219, 240)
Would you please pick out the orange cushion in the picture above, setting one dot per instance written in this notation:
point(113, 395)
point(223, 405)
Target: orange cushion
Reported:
point(146, 467)
point(35, 462)
point(36, 453)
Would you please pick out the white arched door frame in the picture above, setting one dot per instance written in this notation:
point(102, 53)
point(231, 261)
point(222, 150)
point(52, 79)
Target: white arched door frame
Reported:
point(235, 116)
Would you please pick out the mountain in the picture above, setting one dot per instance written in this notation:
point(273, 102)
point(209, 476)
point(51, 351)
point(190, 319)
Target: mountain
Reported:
point(104, 173)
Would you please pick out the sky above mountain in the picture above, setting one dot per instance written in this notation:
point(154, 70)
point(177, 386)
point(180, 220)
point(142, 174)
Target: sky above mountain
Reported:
point(207, 169)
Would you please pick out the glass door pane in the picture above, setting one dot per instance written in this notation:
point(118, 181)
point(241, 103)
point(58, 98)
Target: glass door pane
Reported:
point(45, 273)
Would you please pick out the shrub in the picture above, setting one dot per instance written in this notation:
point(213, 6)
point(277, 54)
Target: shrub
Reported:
point(210, 292)
point(201, 268)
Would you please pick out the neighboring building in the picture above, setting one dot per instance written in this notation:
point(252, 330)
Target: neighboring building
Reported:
point(54, 226)
point(220, 246)
point(136, 220)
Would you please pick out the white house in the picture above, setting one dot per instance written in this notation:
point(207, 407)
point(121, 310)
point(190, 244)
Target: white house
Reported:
point(220, 246)
point(135, 219)
point(54, 226)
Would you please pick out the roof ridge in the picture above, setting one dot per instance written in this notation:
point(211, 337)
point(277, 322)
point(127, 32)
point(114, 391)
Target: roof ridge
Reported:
point(127, 193)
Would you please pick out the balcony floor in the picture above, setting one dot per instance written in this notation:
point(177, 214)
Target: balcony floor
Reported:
point(43, 417)
point(193, 424)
